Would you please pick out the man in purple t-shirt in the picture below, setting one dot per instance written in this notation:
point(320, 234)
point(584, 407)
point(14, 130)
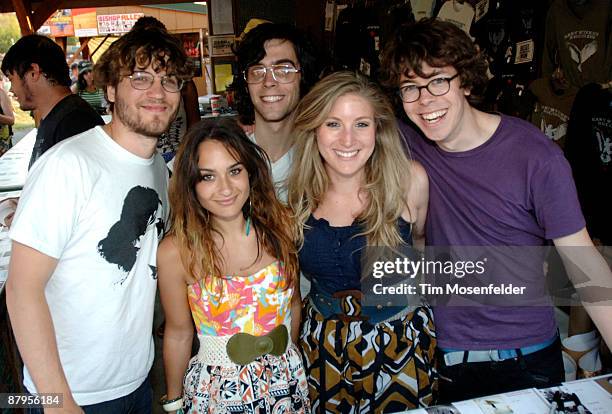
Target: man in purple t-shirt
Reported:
point(494, 181)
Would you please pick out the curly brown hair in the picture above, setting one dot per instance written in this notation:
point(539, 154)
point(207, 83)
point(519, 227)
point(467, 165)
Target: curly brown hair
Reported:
point(437, 43)
point(141, 48)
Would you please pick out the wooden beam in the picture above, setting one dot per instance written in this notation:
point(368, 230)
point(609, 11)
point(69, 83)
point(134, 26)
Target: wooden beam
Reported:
point(99, 46)
point(84, 41)
point(44, 11)
point(6, 6)
point(23, 16)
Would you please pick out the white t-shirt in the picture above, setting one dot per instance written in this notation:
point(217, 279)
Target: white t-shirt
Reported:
point(280, 171)
point(100, 210)
point(280, 174)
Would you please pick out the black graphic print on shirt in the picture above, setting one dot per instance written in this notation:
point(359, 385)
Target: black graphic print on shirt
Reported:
point(121, 245)
point(602, 130)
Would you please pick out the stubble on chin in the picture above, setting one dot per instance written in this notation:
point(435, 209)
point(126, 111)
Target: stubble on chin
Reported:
point(152, 129)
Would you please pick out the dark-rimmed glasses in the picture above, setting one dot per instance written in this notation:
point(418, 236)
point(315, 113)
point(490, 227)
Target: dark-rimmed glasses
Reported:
point(144, 80)
point(284, 73)
point(436, 87)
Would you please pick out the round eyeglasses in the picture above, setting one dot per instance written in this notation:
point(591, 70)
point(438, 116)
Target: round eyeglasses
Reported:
point(144, 80)
point(284, 73)
point(436, 87)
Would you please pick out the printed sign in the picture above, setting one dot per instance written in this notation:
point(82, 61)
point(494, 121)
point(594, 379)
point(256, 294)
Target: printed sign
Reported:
point(524, 52)
point(220, 45)
point(60, 23)
point(117, 23)
point(85, 23)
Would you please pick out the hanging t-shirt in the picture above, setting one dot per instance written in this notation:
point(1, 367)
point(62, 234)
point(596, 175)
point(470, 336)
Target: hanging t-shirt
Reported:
point(100, 211)
point(552, 110)
point(589, 151)
point(357, 44)
point(460, 14)
point(422, 8)
point(578, 39)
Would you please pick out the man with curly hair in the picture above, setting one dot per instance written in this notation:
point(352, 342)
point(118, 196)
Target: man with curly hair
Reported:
point(495, 181)
point(82, 278)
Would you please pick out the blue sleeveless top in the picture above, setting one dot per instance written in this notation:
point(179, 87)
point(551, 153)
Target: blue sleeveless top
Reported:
point(331, 256)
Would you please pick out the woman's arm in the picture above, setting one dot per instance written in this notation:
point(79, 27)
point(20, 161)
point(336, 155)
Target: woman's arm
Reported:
point(178, 333)
point(417, 200)
point(7, 117)
point(296, 311)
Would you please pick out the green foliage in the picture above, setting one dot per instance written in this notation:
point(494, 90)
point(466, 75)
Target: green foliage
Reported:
point(9, 31)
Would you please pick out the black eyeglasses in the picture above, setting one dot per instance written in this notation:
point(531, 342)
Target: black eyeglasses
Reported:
point(436, 87)
point(284, 73)
point(144, 80)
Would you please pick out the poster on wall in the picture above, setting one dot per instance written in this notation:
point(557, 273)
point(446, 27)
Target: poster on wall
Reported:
point(223, 76)
point(60, 23)
point(117, 23)
point(221, 16)
point(85, 23)
point(191, 44)
point(220, 45)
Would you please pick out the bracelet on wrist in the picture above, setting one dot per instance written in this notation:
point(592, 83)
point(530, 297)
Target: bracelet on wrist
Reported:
point(171, 405)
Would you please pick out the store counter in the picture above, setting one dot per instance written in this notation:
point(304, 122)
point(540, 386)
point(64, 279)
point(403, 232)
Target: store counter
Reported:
point(590, 395)
point(14, 163)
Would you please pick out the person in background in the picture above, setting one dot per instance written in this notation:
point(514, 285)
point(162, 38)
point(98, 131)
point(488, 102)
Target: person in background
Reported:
point(82, 277)
point(352, 188)
point(74, 73)
point(7, 119)
point(223, 203)
point(87, 89)
point(495, 181)
point(38, 72)
point(37, 69)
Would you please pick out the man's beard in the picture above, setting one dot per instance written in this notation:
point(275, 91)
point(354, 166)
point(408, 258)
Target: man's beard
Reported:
point(131, 120)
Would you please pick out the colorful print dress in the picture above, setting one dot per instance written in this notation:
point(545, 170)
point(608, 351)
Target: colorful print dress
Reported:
point(253, 304)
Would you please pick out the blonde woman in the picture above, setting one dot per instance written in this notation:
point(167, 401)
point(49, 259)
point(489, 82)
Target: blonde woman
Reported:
point(352, 186)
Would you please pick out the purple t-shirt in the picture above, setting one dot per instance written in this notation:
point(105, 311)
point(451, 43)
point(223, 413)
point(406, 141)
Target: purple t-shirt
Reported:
point(516, 189)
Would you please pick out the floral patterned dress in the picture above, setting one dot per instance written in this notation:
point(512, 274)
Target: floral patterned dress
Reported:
point(253, 304)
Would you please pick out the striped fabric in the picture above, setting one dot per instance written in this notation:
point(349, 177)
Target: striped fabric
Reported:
point(94, 99)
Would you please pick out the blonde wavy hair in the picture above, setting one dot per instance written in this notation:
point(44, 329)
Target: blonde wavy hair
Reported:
point(387, 171)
